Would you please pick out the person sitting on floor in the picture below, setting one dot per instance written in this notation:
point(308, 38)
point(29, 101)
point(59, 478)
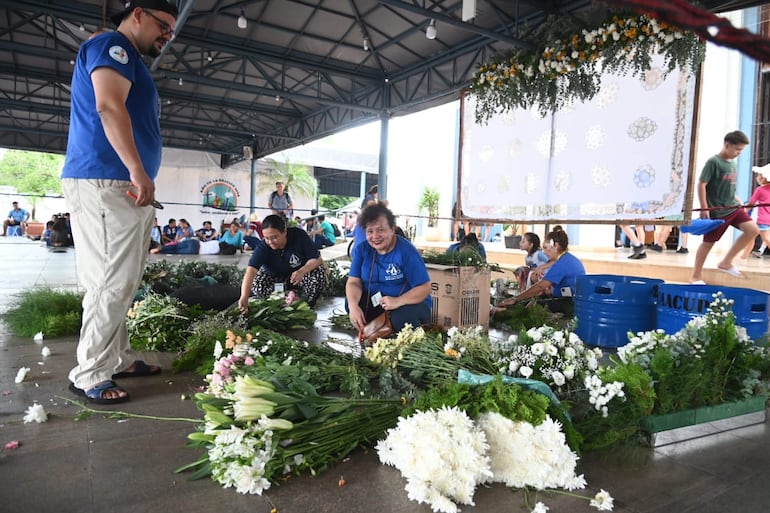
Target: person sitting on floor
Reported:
point(231, 240)
point(323, 233)
point(534, 258)
point(558, 284)
point(469, 241)
point(208, 232)
point(185, 231)
point(169, 232)
point(285, 259)
point(47, 233)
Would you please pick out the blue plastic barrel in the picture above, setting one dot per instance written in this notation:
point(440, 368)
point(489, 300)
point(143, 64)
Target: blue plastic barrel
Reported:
point(677, 304)
point(608, 306)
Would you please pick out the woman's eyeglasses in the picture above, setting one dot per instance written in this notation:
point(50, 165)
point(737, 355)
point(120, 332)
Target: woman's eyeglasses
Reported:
point(165, 28)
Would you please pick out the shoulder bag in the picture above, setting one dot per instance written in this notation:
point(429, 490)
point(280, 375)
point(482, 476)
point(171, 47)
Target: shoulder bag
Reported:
point(380, 326)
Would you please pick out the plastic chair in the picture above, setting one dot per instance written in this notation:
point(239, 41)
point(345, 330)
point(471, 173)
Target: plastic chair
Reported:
point(13, 231)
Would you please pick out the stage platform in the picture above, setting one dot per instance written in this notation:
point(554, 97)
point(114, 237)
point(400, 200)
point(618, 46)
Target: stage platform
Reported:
point(670, 266)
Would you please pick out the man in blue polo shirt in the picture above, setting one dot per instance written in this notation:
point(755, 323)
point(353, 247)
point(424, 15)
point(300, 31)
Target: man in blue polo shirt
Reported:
point(113, 157)
point(16, 217)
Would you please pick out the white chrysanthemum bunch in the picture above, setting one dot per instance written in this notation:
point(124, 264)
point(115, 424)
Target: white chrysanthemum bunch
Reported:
point(441, 453)
point(524, 455)
point(238, 457)
point(600, 393)
point(557, 357)
point(389, 351)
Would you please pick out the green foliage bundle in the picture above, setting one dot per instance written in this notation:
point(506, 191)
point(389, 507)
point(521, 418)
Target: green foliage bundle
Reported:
point(337, 280)
point(508, 400)
point(164, 276)
point(55, 313)
point(465, 257)
point(622, 426)
point(708, 362)
point(160, 323)
point(198, 352)
point(525, 315)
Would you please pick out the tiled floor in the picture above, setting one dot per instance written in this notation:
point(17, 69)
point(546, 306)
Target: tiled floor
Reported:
point(104, 465)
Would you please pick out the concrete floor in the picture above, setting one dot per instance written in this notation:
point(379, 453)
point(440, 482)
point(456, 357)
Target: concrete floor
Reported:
point(106, 465)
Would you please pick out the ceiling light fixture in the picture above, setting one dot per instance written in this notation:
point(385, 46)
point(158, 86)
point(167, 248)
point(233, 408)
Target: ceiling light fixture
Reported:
point(181, 81)
point(469, 10)
point(242, 21)
point(209, 57)
point(82, 27)
point(366, 44)
point(431, 32)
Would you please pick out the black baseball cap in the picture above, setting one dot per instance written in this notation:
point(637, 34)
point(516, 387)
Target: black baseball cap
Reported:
point(155, 5)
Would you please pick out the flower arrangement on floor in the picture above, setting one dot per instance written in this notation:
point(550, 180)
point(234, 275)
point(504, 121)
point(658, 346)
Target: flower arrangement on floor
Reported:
point(566, 63)
point(159, 323)
point(709, 361)
point(162, 323)
point(555, 356)
point(265, 415)
point(280, 311)
point(456, 437)
point(256, 431)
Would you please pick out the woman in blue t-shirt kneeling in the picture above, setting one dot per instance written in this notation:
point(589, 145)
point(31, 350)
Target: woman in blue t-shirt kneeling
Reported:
point(558, 284)
point(386, 274)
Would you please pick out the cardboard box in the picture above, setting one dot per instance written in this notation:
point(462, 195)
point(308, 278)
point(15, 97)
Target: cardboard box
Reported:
point(460, 296)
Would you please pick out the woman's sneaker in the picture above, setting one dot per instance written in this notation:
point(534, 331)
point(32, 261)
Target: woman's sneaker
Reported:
point(638, 253)
point(683, 251)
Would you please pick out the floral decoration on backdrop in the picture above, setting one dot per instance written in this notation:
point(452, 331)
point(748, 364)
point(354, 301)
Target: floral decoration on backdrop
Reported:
point(564, 68)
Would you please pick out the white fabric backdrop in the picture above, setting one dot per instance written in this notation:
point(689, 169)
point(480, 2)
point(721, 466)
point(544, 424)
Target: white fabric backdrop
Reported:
point(622, 155)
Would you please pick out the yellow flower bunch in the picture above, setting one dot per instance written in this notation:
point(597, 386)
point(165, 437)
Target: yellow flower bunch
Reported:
point(389, 351)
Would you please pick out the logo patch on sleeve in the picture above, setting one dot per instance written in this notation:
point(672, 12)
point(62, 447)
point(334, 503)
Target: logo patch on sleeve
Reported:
point(119, 54)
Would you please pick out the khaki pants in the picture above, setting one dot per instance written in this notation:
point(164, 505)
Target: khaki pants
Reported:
point(111, 236)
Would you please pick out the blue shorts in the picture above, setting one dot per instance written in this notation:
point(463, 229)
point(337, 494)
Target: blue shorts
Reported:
point(763, 227)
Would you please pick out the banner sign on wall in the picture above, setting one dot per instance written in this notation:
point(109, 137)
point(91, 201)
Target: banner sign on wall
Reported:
point(219, 196)
point(622, 155)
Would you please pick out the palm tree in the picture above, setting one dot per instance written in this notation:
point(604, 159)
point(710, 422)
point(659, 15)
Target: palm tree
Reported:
point(296, 177)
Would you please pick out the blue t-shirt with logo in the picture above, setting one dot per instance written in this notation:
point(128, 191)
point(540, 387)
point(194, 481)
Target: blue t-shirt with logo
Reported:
point(282, 262)
point(89, 153)
point(394, 273)
point(563, 273)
